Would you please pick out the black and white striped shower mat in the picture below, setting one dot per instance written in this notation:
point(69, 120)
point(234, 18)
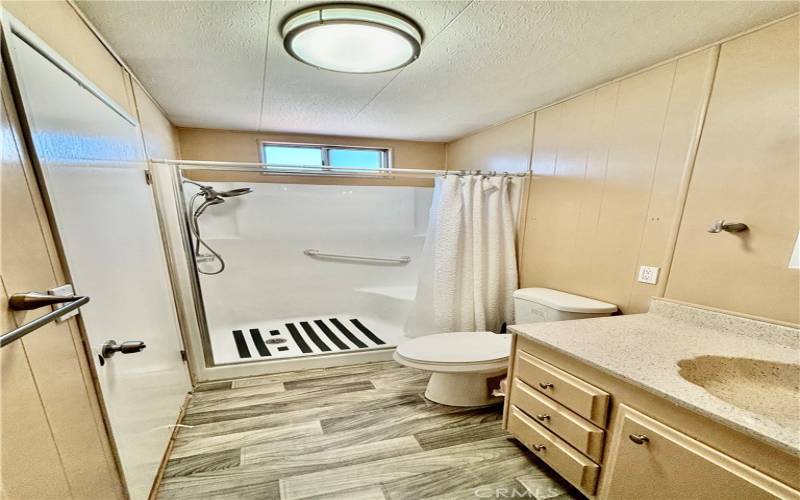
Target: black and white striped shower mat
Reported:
point(311, 337)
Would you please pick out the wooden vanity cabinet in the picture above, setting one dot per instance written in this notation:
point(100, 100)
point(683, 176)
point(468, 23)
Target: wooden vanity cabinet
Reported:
point(571, 464)
point(584, 399)
point(651, 447)
point(647, 459)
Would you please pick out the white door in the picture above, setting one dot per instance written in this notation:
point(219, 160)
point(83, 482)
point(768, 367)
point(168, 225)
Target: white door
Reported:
point(93, 170)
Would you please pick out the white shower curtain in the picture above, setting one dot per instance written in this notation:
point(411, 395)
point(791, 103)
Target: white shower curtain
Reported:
point(468, 269)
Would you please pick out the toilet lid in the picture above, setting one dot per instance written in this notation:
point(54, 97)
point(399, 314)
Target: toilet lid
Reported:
point(457, 347)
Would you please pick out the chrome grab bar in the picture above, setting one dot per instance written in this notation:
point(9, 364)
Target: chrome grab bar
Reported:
point(405, 259)
point(21, 304)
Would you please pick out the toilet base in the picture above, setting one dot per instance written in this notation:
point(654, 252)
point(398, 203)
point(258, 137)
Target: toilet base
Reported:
point(462, 389)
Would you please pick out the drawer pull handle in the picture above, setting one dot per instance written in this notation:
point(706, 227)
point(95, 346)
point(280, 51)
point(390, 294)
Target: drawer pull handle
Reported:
point(542, 418)
point(545, 385)
point(539, 447)
point(639, 438)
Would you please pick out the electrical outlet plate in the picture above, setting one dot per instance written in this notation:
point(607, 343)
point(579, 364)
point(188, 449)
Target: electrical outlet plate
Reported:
point(648, 274)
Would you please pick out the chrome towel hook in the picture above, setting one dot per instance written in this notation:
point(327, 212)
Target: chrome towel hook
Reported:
point(731, 227)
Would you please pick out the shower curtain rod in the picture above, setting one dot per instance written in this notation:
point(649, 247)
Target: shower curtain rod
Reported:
point(319, 170)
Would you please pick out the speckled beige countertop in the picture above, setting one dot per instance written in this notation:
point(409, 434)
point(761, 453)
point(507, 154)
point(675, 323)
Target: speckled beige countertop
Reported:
point(644, 349)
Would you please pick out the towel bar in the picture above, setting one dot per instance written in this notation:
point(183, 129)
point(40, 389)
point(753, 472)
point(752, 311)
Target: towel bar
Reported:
point(74, 303)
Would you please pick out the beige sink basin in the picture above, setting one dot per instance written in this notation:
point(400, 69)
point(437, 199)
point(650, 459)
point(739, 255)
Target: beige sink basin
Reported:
point(768, 388)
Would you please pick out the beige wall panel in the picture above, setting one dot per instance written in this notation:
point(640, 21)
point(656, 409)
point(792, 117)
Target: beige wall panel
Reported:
point(607, 176)
point(746, 171)
point(53, 353)
point(543, 159)
point(57, 23)
point(505, 147)
point(593, 188)
point(545, 141)
point(224, 145)
point(159, 135)
point(25, 441)
point(690, 88)
point(555, 197)
point(640, 112)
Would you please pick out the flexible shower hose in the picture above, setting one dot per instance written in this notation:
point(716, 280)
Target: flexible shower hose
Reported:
point(195, 228)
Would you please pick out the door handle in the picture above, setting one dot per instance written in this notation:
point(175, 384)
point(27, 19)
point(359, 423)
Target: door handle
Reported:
point(34, 300)
point(110, 348)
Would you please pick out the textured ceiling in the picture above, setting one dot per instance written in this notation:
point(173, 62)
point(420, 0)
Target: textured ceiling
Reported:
point(222, 65)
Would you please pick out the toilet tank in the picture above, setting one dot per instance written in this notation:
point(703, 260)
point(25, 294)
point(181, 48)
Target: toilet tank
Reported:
point(534, 305)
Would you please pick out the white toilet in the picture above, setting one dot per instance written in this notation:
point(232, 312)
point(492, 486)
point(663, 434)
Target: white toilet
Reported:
point(467, 365)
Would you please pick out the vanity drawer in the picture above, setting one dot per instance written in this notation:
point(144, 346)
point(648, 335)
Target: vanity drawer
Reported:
point(557, 453)
point(584, 399)
point(584, 436)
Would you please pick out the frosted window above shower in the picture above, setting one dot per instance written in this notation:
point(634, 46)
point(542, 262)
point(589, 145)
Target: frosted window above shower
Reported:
point(332, 157)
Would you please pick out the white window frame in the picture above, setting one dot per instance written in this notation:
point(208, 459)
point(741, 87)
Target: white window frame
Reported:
point(386, 156)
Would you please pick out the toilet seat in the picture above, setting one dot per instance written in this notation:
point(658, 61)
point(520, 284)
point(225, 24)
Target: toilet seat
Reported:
point(456, 352)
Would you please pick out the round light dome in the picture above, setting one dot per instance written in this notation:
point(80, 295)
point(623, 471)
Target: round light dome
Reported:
point(351, 38)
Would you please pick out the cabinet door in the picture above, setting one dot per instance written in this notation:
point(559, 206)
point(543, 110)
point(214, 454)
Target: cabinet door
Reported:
point(647, 459)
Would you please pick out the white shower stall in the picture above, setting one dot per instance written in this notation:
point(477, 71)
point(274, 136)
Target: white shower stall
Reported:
point(275, 301)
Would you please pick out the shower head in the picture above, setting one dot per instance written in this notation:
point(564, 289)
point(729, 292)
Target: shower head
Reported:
point(212, 194)
point(234, 192)
point(214, 197)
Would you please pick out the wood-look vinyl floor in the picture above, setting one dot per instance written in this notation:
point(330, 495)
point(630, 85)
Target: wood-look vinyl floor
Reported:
point(359, 432)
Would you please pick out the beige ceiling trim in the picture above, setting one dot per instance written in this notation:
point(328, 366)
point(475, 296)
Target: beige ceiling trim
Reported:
point(628, 75)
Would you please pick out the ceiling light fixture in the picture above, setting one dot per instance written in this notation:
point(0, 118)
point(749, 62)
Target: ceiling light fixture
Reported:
point(351, 38)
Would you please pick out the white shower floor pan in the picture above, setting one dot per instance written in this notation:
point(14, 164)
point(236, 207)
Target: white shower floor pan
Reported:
point(302, 337)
